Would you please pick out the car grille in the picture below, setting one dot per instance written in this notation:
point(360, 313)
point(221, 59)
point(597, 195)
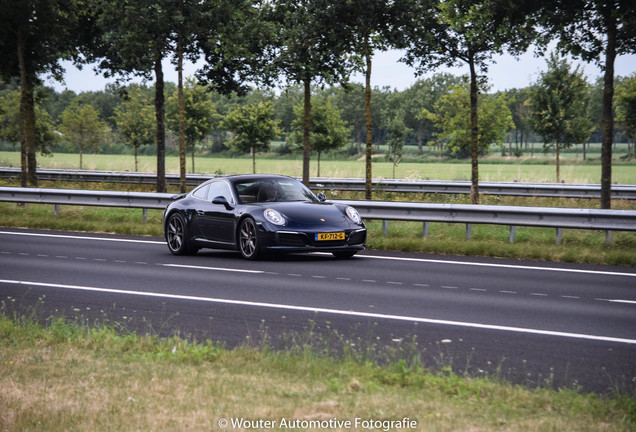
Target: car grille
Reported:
point(290, 239)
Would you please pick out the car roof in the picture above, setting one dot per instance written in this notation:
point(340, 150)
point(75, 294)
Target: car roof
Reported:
point(251, 177)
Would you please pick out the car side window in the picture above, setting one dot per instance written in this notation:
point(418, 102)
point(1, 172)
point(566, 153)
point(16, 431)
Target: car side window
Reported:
point(201, 192)
point(220, 189)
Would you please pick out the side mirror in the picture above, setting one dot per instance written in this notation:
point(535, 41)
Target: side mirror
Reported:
point(322, 197)
point(222, 200)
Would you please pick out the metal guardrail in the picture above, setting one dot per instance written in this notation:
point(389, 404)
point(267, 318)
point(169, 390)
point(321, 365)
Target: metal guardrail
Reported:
point(559, 218)
point(558, 190)
point(561, 190)
point(545, 217)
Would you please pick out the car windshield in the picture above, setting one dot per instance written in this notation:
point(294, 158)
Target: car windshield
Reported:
point(272, 189)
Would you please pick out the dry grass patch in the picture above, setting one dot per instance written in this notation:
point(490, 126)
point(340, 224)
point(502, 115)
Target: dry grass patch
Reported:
point(75, 379)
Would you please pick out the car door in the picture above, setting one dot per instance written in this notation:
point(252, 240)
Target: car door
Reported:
point(216, 221)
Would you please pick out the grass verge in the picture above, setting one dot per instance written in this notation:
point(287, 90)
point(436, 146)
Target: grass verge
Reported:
point(64, 376)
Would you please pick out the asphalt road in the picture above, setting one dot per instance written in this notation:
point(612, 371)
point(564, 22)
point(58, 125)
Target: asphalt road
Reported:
point(535, 323)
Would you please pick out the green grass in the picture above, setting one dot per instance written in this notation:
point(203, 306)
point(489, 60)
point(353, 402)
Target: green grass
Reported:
point(581, 246)
point(63, 376)
point(491, 169)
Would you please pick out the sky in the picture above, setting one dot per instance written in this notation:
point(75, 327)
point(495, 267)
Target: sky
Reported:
point(504, 73)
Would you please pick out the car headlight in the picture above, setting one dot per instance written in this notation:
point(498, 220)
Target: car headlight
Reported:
point(354, 215)
point(274, 217)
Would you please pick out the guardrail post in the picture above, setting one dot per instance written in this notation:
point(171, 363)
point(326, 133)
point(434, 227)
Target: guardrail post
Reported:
point(469, 229)
point(512, 234)
point(57, 209)
point(145, 215)
point(385, 227)
point(425, 229)
point(608, 237)
point(559, 235)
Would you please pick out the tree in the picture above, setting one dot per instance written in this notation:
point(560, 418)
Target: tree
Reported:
point(397, 134)
point(596, 31)
point(516, 100)
point(452, 115)
point(134, 43)
point(199, 114)
point(254, 128)
point(328, 130)
point(558, 110)
point(626, 107)
point(311, 47)
point(134, 119)
point(372, 25)
point(424, 94)
point(45, 134)
point(471, 32)
point(350, 101)
point(35, 36)
point(83, 129)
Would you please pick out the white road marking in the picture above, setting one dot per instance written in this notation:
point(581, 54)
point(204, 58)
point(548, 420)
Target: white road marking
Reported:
point(328, 311)
point(213, 268)
point(82, 237)
point(617, 301)
point(510, 266)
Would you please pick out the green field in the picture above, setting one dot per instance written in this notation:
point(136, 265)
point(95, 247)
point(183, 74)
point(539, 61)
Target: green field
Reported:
point(501, 170)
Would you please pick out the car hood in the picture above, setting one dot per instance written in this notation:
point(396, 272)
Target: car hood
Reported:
point(307, 215)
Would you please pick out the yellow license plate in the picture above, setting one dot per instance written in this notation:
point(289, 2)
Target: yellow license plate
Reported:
point(330, 236)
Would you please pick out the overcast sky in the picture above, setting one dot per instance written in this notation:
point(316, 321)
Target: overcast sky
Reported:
point(505, 73)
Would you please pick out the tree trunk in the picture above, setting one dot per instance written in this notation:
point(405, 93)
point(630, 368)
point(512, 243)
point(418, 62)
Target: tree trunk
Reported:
point(558, 162)
point(474, 136)
point(307, 131)
point(27, 119)
point(181, 103)
point(367, 108)
point(608, 119)
point(160, 114)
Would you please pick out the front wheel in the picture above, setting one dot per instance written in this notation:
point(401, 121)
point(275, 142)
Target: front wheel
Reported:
point(176, 236)
point(248, 239)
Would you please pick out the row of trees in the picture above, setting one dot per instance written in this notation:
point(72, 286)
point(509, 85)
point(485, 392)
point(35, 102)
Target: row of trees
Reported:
point(435, 112)
point(304, 42)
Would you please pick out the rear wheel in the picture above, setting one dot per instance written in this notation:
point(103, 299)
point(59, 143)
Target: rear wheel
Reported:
point(248, 239)
point(176, 236)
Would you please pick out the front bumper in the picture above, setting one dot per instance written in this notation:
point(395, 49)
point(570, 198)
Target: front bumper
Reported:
point(300, 241)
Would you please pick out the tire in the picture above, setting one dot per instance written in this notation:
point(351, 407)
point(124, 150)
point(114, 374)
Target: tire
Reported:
point(344, 255)
point(176, 236)
point(248, 239)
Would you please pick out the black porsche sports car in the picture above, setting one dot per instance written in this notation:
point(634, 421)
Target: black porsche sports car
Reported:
point(255, 214)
